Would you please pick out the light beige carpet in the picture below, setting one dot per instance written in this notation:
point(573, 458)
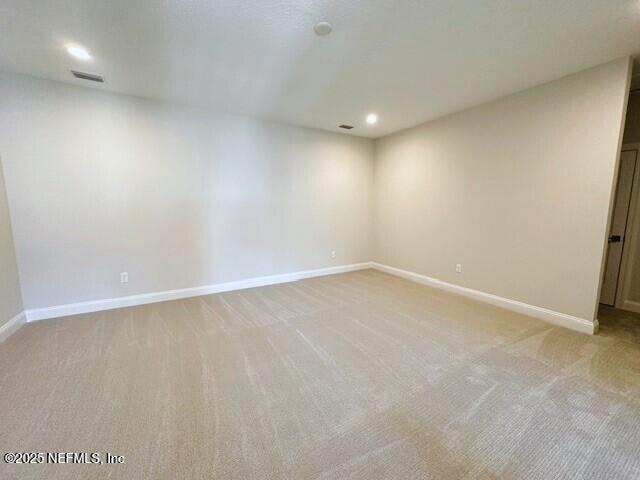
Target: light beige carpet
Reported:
point(361, 375)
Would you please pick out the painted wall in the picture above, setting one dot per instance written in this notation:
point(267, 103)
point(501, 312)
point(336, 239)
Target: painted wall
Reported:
point(10, 296)
point(178, 197)
point(517, 191)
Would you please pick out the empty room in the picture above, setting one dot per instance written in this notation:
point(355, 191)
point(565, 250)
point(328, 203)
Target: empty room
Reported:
point(309, 239)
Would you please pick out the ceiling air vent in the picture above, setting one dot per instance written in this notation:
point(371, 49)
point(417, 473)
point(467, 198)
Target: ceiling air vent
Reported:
point(88, 76)
point(346, 127)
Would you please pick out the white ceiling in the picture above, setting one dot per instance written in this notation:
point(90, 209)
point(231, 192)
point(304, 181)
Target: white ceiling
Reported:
point(408, 60)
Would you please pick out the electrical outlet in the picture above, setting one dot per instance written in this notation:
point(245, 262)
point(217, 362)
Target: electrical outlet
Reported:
point(124, 277)
point(458, 268)
point(333, 254)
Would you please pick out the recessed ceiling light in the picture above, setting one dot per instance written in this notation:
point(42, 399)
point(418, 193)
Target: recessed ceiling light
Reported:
point(322, 28)
point(79, 52)
point(372, 119)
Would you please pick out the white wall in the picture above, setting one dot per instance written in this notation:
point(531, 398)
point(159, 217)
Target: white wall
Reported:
point(178, 197)
point(517, 190)
point(10, 297)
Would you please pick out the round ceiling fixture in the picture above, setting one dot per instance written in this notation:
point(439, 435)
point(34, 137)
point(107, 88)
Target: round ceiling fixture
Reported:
point(372, 119)
point(322, 28)
point(79, 52)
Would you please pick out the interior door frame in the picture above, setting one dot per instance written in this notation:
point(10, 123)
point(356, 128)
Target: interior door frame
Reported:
point(630, 248)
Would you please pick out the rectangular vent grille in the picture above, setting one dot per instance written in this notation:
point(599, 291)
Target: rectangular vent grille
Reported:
point(346, 127)
point(88, 76)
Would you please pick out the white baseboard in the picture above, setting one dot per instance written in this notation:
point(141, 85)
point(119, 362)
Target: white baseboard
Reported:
point(12, 326)
point(120, 302)
point(551, 316)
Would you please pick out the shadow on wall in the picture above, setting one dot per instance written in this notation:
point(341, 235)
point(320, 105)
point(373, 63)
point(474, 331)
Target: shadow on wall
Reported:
point(10, 294)
point(632, 124)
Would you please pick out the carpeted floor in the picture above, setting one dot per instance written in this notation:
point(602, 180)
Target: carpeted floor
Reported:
point(361, 375)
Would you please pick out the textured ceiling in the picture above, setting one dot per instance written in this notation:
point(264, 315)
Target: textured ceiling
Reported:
point(409, 61)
